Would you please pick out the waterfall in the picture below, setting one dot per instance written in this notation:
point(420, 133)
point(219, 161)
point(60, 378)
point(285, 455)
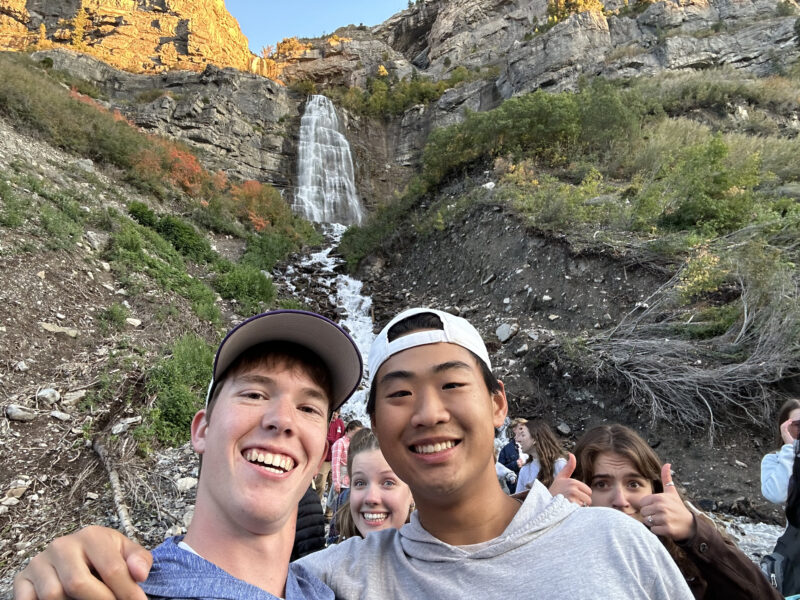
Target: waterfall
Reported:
point(326, 191)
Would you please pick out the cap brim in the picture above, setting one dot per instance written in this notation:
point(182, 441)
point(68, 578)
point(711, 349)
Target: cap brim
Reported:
point(320, 335)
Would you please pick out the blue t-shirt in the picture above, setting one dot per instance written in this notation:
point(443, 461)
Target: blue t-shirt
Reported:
point(180, 574)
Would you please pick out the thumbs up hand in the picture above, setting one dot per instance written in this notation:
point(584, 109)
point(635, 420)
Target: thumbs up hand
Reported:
point(665, 513)
point(572, 489)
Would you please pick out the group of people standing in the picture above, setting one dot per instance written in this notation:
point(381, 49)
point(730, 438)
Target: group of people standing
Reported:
point(425, 516)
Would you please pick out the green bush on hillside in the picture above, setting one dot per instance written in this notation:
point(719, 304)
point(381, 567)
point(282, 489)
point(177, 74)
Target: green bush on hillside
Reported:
point(248, 286)
point(135, 251)
point(185, 239)
point(178, 383)
point(393, 97)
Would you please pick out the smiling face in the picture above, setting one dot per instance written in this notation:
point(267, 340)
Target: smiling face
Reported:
point(378, 498)
point(261, 447)
point(617, 484)
point(435, 420)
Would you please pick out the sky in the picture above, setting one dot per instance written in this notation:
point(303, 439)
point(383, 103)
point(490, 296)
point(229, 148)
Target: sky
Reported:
point(269, 21)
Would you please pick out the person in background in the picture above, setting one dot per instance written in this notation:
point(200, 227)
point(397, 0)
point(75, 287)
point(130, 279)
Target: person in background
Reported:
point(309, 531)
point(546, 457)
point(506, 477)
point(378, 499)
point(509, 455)
point(624, 473)
point(340, 479)
point(776, 467)
point(335, 431)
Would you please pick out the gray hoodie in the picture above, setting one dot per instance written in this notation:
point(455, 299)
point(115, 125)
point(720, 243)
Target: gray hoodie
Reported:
point(552, 549)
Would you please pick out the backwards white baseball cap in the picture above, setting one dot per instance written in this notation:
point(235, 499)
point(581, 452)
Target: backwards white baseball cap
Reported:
point(455, 330)
point(332, 344)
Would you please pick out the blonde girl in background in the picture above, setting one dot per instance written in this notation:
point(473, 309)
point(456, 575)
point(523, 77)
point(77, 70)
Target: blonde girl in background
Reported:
point(378, 498)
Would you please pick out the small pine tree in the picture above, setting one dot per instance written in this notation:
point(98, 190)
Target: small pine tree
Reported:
point(382, 72)
point(42, 39)
point(410, 3)
point(79, 27)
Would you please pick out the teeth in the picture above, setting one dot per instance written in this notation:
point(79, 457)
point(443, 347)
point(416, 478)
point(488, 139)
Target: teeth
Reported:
point(272, 462)
point(431, 448)
point(374, 516)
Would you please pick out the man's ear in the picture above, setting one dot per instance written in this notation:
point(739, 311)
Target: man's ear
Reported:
point(199, 428)
point(499, 405)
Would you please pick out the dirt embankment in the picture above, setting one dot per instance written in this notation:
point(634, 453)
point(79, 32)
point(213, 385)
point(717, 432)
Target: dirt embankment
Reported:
point(532, 296)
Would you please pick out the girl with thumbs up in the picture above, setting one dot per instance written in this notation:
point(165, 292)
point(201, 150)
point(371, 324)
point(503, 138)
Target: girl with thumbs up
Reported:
point(624, 473)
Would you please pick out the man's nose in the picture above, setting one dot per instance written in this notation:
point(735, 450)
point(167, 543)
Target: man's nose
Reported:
point(429, 410)
point(278, 415)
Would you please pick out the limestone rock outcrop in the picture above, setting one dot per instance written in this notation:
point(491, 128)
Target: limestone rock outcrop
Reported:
point(136, 35)
point(243, 124)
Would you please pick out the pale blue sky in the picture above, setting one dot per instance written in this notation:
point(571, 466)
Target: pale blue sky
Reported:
point(269, 21)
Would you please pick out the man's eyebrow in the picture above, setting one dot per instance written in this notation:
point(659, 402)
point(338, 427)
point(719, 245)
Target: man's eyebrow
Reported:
point(395, 375)
point(452, 364)
point(253, 378)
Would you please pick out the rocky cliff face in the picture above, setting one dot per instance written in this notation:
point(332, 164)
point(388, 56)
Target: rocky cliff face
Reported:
point(136, 35)
point(248, 125)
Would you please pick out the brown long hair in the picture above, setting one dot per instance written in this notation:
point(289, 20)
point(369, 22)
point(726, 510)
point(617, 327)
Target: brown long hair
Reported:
point(548, 449)
point(624, 441)
point(783, 414)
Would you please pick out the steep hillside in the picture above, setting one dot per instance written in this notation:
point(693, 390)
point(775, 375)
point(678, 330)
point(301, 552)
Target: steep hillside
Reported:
point(122, 262)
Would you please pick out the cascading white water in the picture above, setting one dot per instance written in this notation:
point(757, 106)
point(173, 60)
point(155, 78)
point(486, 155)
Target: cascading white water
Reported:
point(326, 190)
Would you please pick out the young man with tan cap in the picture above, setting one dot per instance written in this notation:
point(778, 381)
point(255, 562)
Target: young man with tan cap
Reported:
point(261, 438)
point(434, 405)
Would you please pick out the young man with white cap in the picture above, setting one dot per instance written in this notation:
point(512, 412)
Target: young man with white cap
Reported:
point(434, 404)
point(261, 437)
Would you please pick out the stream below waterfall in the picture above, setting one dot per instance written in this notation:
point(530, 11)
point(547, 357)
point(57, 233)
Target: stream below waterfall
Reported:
point(354, 310)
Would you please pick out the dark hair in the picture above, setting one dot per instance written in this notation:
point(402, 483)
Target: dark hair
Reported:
point(624, 441)
point(272, 354)
point(353, 425)
point(548, 449)
point(428, 321)
point(783, 414)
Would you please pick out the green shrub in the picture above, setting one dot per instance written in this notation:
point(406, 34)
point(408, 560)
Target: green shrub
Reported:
point(112, 318)
point(134, 251)
point(708, 194)
point(12, 210)
point(383, 224)
point(60, 230)
point(305, 87)
point(711, 322)
point(178, 382)
point(142, 213)
point(785, 8)
point(395, 97)
point(248, 286)
point(185, 239)
point(266, 248)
